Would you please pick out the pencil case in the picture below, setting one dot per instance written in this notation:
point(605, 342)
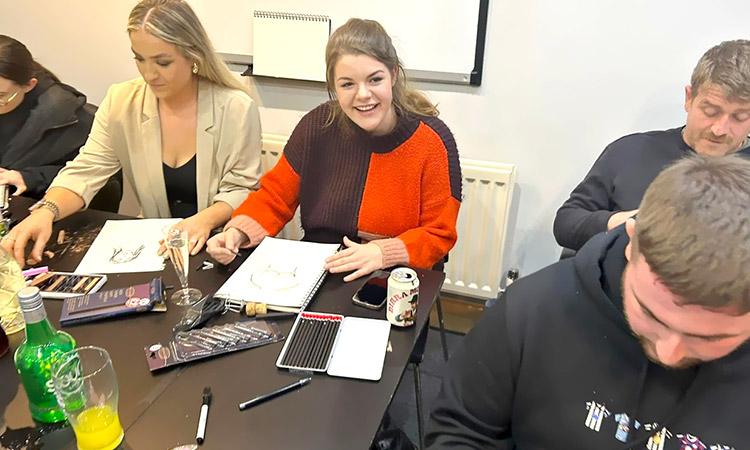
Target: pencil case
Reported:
point(60, 285)
point(212, 341)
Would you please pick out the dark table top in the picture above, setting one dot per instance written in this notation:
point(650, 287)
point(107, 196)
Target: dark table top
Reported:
point(160, 410)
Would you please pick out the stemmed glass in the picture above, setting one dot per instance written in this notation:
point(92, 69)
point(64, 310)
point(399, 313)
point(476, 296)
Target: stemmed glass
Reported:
point(176, 242)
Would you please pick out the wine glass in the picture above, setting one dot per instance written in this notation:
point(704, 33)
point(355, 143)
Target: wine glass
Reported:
point(176, 242)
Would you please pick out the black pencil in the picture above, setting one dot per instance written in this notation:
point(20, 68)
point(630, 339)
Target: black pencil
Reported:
point(329, 344)
point(323, 357)
point(319, 355)
point(298, 341)
point(307, 342)
point(314, 341)
point(293, 343)
point(319, 344)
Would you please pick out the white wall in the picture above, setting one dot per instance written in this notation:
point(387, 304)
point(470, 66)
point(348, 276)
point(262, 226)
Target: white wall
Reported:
point(562, 79)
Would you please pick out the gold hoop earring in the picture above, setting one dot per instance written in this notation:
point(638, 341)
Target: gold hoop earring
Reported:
point(195, 68)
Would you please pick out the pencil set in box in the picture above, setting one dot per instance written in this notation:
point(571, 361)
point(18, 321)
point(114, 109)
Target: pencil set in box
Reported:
point(64, 285)
point(200, 343)
point(114, 303)
point(351, 347)
point(310, 342)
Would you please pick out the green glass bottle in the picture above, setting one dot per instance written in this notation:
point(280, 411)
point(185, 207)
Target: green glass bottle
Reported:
point(36, 355)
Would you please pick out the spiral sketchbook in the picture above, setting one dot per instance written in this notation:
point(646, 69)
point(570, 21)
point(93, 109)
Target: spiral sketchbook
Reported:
point(283, 274)
point(287, 45)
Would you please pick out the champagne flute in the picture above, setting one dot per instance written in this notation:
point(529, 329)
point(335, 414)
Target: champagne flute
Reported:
point(176, 242)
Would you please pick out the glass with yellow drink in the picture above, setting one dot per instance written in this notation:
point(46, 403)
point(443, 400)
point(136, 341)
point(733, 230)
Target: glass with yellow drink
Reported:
point(86, 389)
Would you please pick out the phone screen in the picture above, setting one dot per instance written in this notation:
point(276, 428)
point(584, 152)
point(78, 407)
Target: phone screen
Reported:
point(374, 291)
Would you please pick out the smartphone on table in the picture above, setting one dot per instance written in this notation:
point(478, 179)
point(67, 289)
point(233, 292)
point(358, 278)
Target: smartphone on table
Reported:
point(373, 291)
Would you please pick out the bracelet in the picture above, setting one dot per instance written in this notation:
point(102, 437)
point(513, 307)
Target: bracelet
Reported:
point(44, 203)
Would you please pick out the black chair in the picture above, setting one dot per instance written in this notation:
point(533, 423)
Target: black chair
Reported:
point(567, 253)
point(417, 355)
point(109, 196)
point(415, 359)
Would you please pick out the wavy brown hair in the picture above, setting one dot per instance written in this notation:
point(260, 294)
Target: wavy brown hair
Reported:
point(368, 37)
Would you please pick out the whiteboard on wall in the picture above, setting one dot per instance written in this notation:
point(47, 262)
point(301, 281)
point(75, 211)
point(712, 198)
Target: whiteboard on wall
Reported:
point(429, 35)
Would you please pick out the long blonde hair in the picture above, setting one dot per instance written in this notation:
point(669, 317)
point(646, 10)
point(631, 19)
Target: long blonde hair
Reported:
point(368, 37)
point(175, 22)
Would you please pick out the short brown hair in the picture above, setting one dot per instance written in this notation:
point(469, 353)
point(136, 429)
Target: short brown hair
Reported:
point(693, 229)
point(726, 66)
point(368, 37)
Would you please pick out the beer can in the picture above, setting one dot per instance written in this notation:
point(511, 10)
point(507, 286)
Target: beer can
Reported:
point(403, 295)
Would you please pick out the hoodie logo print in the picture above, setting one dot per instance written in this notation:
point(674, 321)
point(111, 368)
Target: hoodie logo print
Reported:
point(597, 413)
point(623, 427)
point(657, 441)
point(690, 442)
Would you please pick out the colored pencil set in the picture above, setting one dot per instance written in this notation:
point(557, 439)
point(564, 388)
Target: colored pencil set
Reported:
point(64, 285)
point(311, 342)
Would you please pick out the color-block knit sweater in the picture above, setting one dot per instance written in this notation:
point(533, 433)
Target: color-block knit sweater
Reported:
point(401, 191)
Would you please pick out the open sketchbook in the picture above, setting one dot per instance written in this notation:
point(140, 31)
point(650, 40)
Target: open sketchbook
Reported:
point(281, 273)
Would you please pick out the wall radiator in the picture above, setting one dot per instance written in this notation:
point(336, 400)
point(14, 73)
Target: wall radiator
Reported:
point(475, 266)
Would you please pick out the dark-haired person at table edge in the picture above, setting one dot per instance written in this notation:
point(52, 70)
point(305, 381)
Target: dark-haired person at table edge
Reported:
point(43, 122)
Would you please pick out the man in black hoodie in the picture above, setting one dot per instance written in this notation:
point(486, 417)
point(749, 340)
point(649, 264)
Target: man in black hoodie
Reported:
point(639, 342)
point(717, 103)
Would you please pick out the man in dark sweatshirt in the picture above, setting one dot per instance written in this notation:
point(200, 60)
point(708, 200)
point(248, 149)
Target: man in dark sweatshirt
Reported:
point(717, 103)
point(639, 342)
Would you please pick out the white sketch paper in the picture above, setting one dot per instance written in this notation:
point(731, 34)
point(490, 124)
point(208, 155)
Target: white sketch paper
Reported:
point(279, 272)
point(126, 246)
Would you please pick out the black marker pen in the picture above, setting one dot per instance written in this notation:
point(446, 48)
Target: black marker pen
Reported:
point(201, 436)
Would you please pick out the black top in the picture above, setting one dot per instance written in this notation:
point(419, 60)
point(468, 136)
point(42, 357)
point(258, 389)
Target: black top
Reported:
point(12, 122)
point(553, 364)
point(617, 182)
point(182, 193)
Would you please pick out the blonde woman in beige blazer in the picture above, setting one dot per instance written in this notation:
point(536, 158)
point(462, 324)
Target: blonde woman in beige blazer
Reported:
point(185, 105)
point(127, 134)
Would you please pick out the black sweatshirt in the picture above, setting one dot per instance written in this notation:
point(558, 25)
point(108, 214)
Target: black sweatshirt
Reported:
point(617, 182)
point(51, 135)
point(553, 365)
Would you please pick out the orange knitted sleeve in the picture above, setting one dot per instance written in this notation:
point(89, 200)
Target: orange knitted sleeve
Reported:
point(271, 206)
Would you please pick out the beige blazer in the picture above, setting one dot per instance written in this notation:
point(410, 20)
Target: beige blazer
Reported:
point(126, 133)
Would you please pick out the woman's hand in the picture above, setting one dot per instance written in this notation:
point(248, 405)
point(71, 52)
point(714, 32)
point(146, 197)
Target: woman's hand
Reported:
point(225, 246)
point(14, 178)
point(363, 259)
point(37, 227)
point(197, 231)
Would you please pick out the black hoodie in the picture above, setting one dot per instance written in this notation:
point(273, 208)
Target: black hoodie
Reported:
point(56, 127)
point(553, 365)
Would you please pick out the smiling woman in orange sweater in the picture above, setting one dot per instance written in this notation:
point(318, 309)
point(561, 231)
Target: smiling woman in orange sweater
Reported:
point(373, 167)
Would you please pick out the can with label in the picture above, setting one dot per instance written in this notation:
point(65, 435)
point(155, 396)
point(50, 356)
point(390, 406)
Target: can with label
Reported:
point(403, 295)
